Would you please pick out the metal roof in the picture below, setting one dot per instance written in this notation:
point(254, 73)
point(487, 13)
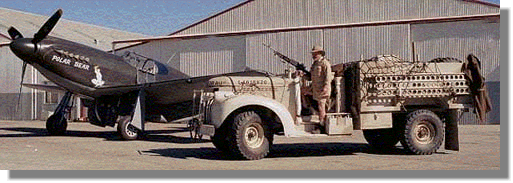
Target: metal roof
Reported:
point(248, 1)
point(186, 34)
point(87, 34)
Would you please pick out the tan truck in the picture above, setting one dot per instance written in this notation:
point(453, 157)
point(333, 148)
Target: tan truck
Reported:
point(390, 100)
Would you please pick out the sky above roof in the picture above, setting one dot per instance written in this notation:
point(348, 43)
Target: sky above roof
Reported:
point(151, 17)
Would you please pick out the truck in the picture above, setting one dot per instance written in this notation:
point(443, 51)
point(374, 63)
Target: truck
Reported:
point(415, 103)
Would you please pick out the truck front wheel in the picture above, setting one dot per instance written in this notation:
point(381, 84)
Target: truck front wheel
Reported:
point(423, 132)
point(220, 141)
point(250, 138)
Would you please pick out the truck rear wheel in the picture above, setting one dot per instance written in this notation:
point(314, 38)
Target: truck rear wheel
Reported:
point(423, 133)
point(250, 138)
point(382, 138)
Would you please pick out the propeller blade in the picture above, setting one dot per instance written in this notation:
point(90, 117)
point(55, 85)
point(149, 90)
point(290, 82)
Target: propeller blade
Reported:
point(23, 72)
point(15, 34)
point(47, 27)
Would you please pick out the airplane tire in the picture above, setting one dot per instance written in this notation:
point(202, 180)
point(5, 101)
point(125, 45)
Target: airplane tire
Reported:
point(249, 138)
point(56, 124)
point(126, 130)
point(423, 132)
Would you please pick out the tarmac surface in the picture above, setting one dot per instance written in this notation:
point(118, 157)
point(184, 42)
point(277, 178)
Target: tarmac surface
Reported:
point(27, 146)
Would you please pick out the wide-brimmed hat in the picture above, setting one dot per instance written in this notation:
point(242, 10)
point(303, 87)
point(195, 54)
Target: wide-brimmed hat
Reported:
point(318, 49)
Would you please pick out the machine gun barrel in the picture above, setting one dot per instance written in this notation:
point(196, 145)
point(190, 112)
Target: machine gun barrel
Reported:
point(299, 66)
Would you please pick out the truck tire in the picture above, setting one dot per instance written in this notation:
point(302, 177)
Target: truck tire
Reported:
point(126, 130)
point(382, 139)
point(249, 138)
point(220, 140)
point(423, 132)
point(445, 60)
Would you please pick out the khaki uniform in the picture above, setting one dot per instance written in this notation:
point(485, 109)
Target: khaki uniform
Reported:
point(321, 79)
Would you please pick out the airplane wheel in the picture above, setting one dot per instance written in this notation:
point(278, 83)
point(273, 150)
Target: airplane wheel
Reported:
point(126, 129)
point(56, 124)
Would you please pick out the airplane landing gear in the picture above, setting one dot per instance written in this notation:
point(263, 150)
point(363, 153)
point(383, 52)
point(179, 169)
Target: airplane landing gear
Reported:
point(131, 127)
point(57, 123)
point(126, 130)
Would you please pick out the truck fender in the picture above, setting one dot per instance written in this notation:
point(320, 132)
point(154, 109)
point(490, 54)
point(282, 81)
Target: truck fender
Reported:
point(222, 109)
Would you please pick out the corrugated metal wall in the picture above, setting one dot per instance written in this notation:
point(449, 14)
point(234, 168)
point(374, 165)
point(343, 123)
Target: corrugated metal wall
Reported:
point(352, 44)
point(198, 57)
point(212, 55)
point(267, 14)
point(10, 75)
point(457, 40)
point(296, 45)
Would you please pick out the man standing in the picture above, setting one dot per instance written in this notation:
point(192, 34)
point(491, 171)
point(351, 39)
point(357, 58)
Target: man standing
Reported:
point(321, 81)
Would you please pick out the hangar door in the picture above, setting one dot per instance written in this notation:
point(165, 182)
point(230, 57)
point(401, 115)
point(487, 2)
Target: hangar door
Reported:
point(457, 40)
point(209, 56)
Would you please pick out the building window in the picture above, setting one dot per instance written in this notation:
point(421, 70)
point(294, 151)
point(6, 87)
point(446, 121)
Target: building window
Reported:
point(51, 98)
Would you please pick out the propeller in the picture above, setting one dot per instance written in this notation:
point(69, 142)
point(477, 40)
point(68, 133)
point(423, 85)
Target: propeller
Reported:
point(14, 33)
point(47, 27)
point(38, 37)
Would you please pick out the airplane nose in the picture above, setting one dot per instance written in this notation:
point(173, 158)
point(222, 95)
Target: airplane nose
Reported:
point(24, 49)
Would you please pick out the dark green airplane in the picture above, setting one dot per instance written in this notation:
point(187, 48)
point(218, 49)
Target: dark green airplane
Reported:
point(116, 89)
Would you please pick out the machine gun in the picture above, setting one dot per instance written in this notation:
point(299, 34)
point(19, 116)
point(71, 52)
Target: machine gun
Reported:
point(292, 62)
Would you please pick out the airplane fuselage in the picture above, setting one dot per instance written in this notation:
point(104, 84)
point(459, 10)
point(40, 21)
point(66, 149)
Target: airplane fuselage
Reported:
point(76, 67)
point(88, 71)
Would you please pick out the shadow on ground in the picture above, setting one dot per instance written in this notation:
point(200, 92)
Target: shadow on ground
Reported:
point(279, 151)
point(210, 153)
point(150, 135)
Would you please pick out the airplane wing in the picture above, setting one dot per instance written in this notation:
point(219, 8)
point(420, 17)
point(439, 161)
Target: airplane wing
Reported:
point(52, 88)
point(45, 87)
point(173, 91)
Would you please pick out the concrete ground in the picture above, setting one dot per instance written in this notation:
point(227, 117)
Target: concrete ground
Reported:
point(27, 146)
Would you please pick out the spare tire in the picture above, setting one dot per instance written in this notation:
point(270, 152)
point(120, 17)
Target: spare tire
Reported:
point(445, 60)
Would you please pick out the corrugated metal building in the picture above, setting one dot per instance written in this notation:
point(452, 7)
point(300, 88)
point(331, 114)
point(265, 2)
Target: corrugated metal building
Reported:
point(348, 30)
point(38, 104)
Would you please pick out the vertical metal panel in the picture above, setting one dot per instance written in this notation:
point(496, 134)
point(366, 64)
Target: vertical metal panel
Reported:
point(198, 57)
point(267, 14)
point(351, 44)
point(206, 63)
point(296, 45)
point(10, 72)
point(492, 117)
point(457, 40)
point(10, 75)
point(150, 50)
